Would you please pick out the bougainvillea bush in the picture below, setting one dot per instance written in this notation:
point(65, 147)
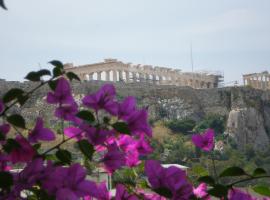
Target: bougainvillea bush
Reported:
point(110, 134)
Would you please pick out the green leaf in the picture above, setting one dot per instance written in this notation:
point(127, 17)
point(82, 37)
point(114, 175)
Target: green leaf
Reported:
point(233, 171)
point(64, 156)
point(121, 127)
point(6, 180)
point(57, 64)
point(22, 99)
point(37, 146)
point(86, 148)
point(199, 170)
point(57, 72)
point(259, 171)
point(72, 76)
point(164, 192)
point(86, 115)
point(207, 179)
point(12, 94)
point(52, 84)
point(35, 76)
point(2, 136)
point(2, 4)
point(16, 120)
point(218, 191)
point(10, 145)
point(50, 157)
point(106, 120)
point(262, 190)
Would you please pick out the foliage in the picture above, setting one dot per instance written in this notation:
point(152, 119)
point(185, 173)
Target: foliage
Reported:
point(214, 121)
point(183, 126)
point(120, 144)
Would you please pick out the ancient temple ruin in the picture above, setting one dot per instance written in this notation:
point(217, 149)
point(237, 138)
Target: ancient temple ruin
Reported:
point(114, 70)
point(257, 80)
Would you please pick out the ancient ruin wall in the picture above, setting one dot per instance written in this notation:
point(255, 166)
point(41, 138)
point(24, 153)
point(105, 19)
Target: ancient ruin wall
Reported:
point(117, 71)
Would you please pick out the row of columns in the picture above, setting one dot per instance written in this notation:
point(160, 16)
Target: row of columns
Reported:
point(143, 77)
point(125, 76)
point(259, 81)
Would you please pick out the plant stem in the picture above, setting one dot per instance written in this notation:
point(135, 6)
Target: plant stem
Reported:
point(26, 94)
point(214, 166)
point(248, 179)
point(58, 145)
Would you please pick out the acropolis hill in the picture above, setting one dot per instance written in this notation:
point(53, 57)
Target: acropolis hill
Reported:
point(247, 110)
point(114, 70)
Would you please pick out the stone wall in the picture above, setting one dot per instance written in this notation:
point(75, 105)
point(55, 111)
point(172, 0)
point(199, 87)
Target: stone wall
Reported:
point(247, 109)
point(117, 71)
point(257, 80)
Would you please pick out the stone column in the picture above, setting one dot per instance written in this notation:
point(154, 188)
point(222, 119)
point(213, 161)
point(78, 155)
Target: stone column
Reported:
point(121, 75)
point(114, 76)
point(134, 77)
point(99, 76)
point(127, 76)
point(91, 76)
point(147, 78)
point(141, 78)
point(154, 79)
point(107, 75)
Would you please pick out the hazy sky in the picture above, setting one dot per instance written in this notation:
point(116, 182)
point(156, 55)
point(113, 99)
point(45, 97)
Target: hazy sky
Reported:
point(232, 36)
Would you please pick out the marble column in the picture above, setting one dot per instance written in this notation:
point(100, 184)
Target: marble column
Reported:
point(121, 76)
point(154, 79)
point(141, 77)
point(147, 78)
point(114, 76)
point(99, 76)
point(91, 76)
point(107, 75)
point(134, 77)
point(127, 76)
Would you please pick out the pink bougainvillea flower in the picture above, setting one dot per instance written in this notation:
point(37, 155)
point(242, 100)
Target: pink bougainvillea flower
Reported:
point(97, 136)
point(62, 93)
point(4, 129)
point(126, 142)
point(126, 107)
point(143, 146)
point(137, 123)
point(149, 196)
point(67, 182)
point(132, 157)
point(172, 178)
point(236, 194)
point(122, 193)
point(114, 159)
point(40, 133)
point(176, 181)
point(2, 106)
point(155, 173)
point(204, 141)
point(74, 132)
point(28, 177)
point(4, 159)
point(102, 99)
point(100, 192)
point(201, 192)
point(23, 153)
point(67, 112)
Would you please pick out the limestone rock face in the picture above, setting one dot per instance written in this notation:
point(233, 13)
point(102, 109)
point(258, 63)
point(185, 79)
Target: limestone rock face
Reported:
point(247, 109)
point(246, 125)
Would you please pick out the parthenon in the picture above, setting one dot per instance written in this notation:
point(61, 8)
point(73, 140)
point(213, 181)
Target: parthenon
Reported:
point(257, 80)
point(114, 70)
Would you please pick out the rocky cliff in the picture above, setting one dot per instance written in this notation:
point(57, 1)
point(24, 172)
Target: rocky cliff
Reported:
point(247, 110)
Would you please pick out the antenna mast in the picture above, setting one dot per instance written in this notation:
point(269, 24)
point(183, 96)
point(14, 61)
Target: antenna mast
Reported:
point(191, 57)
